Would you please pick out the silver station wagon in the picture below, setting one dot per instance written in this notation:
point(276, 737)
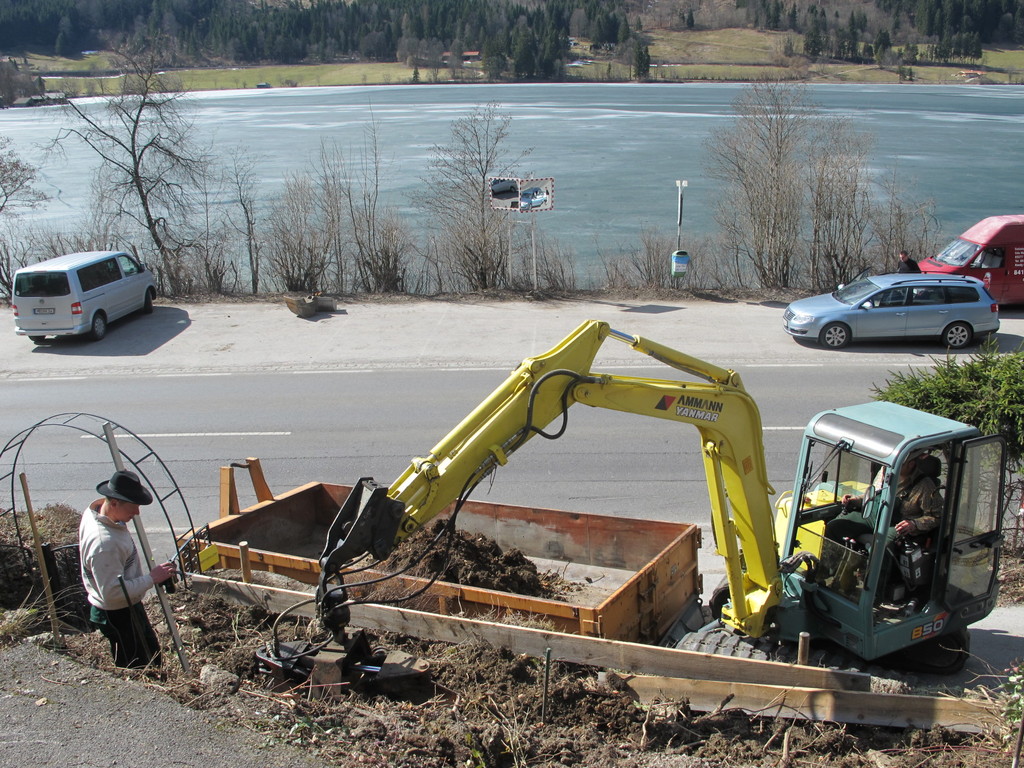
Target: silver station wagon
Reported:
point(949, 308)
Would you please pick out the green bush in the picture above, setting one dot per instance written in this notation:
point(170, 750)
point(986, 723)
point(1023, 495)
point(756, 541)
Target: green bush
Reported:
point(985, 390)
point(1014, 687)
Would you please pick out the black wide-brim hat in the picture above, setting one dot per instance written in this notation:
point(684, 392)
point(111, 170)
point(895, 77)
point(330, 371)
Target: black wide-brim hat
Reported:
point(125, 486)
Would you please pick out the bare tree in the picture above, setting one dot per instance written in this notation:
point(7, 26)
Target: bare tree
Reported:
point(760, 160)
point(16, 181)
point(12, 257)
point(150, 163)
point(839, 203)
point(902, 223)
point(329, 185)
point(301, 257)
point(210, 242)
point(16, 191)
point(380, 242)
point(470, 233)
point(646, 266)
point(242, 180)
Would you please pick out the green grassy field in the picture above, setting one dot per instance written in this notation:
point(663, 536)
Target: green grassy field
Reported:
point(711, 55)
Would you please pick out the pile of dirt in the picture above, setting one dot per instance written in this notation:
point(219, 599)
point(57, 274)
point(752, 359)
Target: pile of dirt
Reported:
point(473, 560)
point(56, 524)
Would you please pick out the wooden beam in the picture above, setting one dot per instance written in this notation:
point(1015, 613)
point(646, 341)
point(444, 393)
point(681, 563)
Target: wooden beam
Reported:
point(634, 658)
point(890, 710)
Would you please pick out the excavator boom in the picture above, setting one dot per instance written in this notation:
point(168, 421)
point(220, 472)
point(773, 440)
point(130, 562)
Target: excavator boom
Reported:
point(374, 520)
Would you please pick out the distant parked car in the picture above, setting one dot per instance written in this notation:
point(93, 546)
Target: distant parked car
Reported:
point(532, 197)
point(503, 187)
point(950, 308)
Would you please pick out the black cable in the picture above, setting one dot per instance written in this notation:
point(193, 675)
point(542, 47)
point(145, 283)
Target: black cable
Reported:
point(471, 483)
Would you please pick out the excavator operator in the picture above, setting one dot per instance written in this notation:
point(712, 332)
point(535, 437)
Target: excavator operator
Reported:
point(919, 502)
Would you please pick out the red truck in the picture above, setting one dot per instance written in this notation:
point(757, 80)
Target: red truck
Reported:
point(992, 251)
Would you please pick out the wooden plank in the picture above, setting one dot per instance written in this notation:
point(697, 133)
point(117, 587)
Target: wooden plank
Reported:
point(633, 658)
point(865, 708)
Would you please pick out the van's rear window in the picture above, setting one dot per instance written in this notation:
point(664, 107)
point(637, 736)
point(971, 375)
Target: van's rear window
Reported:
point(41, 284)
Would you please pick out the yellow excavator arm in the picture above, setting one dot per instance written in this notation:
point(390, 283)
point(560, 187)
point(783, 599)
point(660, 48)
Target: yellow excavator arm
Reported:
point(539, 391)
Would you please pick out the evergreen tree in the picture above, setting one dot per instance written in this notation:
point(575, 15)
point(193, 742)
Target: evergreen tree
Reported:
point(641, 61)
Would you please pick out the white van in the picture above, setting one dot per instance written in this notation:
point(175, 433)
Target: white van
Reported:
point(79, 293)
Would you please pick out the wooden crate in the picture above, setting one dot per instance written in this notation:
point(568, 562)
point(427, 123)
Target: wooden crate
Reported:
point(635, 575)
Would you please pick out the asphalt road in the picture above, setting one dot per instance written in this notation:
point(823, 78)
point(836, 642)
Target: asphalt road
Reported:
point(362, 390)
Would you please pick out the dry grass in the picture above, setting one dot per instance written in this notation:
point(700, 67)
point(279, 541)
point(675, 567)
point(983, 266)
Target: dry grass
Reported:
point(724, 55)
point(19, 623)
point(719, 46)
point(56, 523)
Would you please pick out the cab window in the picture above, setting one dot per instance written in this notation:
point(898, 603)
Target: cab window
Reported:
point(990, 258)
point(128, 265)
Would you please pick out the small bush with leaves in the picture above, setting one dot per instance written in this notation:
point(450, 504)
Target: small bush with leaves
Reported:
point(986, 390)
point(1014, 687)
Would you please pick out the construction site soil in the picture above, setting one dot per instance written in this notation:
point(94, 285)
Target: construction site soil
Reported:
point(480, 706)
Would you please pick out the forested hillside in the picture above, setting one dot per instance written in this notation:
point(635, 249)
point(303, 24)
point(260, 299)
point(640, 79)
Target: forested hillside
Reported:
point(528, 38)
point(522, 39)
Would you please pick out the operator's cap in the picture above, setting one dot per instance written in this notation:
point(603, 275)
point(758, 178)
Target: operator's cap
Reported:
point(125, 486)
point(929, 465)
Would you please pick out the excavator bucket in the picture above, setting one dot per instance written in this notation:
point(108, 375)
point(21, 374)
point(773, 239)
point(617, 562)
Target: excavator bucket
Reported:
point(367, 522)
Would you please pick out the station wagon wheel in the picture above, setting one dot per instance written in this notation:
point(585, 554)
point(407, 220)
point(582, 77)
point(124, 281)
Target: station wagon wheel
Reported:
point(835, 335)
point(99, 326)
point(37, 339)
point(958, 335)
point(147, 305)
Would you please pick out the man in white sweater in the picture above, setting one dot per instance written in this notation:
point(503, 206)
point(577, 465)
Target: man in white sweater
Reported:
point(114, 575)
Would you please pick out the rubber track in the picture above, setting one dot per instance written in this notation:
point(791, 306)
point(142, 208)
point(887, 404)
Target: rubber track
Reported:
point(723, 641)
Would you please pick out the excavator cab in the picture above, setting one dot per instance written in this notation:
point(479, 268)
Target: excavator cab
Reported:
point(850, 576)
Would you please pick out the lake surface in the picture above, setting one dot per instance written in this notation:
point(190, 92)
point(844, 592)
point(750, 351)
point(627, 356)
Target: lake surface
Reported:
point(614, 150)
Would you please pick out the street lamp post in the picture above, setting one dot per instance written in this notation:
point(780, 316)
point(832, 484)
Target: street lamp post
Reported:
point(533, 244)
point(680, 258)
point(680, 185)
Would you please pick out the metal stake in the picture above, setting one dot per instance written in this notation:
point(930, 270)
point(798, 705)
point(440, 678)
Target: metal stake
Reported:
point(547, 677)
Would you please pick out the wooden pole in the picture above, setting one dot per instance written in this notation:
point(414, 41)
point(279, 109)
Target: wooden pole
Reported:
point(803, 648)
point(147, 554)
point(243, 556)
point(51, 605)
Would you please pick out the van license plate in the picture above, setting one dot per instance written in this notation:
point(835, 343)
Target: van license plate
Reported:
point(43, 310)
